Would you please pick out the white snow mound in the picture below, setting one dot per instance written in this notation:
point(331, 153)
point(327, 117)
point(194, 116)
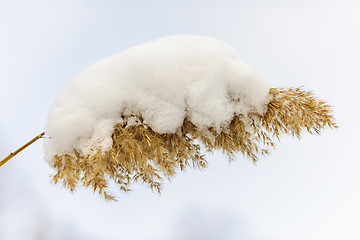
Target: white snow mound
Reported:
point(163, 81)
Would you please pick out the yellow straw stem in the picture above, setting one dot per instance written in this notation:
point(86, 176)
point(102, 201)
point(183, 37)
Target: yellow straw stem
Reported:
point(11, 155)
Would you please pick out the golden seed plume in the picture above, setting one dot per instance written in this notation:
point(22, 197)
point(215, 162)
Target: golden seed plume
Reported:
point(139, 154)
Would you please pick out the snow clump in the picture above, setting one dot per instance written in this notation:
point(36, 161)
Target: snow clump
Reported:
point(163, 82)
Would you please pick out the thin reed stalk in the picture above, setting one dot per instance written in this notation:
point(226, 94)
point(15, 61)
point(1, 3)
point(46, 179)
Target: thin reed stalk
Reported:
point(11, 155)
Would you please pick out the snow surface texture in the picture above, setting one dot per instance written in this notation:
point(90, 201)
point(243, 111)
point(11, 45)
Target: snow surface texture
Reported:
point(163, 81)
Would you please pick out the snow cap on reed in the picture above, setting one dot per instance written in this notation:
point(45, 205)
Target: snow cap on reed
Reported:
point(163, 82)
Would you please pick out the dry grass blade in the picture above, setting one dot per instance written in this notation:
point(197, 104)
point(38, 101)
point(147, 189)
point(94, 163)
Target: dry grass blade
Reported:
point(141, 154)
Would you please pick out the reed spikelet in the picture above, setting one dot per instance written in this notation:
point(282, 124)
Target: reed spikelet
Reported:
point(139, 154)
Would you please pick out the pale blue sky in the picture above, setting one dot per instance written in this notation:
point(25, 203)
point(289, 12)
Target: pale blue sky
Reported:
point(308, 189)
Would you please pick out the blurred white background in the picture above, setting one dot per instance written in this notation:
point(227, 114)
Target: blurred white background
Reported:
point(308, 189)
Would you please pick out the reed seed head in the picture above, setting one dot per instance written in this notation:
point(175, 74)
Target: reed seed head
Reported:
point(139, 154)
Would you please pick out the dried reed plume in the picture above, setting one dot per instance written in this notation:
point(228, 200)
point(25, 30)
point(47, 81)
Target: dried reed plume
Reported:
point(140, 154)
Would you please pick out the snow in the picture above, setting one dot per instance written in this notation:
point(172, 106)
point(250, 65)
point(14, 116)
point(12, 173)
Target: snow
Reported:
point(163, 81)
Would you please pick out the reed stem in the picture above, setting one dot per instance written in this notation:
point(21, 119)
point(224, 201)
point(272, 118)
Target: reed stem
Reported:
point(11, 155)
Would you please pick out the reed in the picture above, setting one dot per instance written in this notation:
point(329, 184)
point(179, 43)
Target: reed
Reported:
point(139, 154)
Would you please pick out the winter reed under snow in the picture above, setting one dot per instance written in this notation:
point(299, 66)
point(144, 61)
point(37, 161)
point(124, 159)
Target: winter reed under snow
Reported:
point(154, 109)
